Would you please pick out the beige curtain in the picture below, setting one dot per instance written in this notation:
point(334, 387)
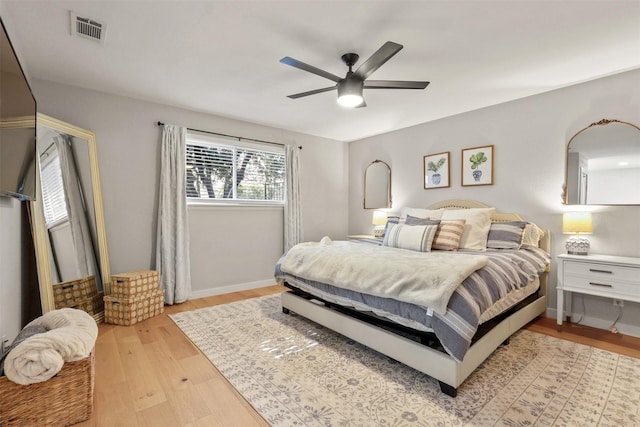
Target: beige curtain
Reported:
point(172, 247)
point(293, 205)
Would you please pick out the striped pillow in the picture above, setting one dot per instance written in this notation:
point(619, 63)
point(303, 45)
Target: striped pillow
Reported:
point(412, 237)
point(506, 235)
point(449, 235)
point(412, 220)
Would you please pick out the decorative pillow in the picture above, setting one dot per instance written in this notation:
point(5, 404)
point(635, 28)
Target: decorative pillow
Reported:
point(412, 220)
point(391, 220)
point(532, 234)
point(421, 213)
point(476, 228)
point(506, 235)
point(448, 235)
point(412, 237)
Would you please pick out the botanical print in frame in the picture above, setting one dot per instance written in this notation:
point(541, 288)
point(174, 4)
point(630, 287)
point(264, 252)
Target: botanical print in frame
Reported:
point(436, 170)
point(477, 166)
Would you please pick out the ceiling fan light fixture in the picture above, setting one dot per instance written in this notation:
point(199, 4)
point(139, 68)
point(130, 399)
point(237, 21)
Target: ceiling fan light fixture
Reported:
point(350, 93)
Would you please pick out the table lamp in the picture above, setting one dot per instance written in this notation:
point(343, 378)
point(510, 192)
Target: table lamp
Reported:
point(379, 221)
point(577, 224)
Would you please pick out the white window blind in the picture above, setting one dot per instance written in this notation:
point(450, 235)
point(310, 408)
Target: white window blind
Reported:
point(53, 198)
point(218, 171)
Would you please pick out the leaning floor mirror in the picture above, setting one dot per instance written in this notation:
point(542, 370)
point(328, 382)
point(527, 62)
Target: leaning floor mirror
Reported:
point(68, 221)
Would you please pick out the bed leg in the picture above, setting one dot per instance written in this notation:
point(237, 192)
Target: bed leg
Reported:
point(285, 310)
point(506, 342)
point(448, 390)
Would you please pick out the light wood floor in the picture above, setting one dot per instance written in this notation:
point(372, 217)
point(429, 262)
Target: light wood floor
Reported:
point(150, 374)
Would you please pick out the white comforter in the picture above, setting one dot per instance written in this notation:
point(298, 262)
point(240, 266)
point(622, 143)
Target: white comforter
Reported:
point(426, 279)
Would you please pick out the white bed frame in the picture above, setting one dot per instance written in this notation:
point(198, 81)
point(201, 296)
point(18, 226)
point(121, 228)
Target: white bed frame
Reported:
point(432, 362)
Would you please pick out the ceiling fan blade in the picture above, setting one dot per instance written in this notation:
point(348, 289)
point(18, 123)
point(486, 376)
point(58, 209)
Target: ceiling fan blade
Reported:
point(376, 60)
point(394, 84)
point(311, 92)
point(310, 68)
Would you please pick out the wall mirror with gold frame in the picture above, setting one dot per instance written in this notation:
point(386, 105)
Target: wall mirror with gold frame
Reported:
point(603, 165)
point(377, 185)
point(68, 220)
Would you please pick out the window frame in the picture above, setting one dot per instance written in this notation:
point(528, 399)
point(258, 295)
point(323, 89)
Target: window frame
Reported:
point(208, 140)
point(59, 210)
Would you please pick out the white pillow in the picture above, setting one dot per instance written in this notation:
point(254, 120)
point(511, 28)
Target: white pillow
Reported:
point(476, 228)
point(421, 213)
point(412, 237)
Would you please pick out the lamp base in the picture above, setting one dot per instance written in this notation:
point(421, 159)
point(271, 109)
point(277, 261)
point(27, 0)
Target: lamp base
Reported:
point(378, 231)
point(577, 245)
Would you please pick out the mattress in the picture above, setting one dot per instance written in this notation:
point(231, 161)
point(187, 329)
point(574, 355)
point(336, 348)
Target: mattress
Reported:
point(508, 278)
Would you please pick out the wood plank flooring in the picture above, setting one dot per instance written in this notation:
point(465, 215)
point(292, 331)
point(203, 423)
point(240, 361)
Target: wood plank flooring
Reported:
point(150, 374)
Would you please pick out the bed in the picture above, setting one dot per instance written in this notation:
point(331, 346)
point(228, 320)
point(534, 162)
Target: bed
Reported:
point(446, 335)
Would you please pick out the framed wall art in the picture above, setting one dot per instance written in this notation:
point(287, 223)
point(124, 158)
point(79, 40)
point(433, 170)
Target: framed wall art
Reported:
point(436, 170)
point(477, 166)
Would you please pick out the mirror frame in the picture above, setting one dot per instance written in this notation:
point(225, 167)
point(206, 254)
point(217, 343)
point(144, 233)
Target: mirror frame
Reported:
point(40, 235)
point(565, 188)
point(389, 201)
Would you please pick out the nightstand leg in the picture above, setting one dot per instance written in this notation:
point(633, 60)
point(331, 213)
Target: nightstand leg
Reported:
point(560, 307)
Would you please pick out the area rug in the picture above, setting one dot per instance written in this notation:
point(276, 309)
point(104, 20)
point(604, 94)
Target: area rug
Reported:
point(297, 373)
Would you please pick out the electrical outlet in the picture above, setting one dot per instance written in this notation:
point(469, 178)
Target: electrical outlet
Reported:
point(618, 303)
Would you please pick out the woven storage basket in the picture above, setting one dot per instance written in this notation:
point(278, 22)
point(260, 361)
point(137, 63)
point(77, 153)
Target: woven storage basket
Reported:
point(129, 311)
point(62, 400)
point(129, 285)
point(68, 294)
point(91, 305)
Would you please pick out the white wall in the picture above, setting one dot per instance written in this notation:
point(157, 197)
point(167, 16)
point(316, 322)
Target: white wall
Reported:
point(604, 185)
point(529, 138)
point(231, 248)
point(11, 264)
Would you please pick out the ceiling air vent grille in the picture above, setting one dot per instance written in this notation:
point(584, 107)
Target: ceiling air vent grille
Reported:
point(88, 28)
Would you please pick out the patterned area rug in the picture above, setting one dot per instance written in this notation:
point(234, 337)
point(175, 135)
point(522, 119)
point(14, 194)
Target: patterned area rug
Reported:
point(297, 373)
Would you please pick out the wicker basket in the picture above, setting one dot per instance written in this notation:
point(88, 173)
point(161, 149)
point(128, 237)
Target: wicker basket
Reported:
point(62, 400)
point(69, 294)
point(129, 285)
point(129, 311)
point(91, 305)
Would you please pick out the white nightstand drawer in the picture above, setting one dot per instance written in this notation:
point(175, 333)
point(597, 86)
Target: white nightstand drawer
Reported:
point(601, 284)
point(607, 276)
point(603, 272)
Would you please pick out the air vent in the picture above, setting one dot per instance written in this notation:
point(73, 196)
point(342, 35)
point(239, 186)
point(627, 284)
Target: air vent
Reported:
point(88, 28)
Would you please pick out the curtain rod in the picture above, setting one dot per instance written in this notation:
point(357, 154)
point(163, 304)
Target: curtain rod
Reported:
point(239, 138)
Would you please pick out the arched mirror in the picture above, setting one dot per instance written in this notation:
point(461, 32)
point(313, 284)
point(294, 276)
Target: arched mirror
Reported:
point(67, 219)
point(603, 165)
point(377, 185)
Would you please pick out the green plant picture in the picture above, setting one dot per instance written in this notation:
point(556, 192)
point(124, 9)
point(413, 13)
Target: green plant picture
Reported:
point(436, 170)
point(477, 166)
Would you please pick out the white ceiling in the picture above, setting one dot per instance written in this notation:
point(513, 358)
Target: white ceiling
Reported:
point(222, 57)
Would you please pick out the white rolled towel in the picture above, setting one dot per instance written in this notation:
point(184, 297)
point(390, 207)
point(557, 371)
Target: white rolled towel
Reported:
point(71, 335)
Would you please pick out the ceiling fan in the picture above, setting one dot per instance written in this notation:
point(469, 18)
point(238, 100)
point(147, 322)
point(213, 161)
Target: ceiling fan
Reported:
point(351, 86)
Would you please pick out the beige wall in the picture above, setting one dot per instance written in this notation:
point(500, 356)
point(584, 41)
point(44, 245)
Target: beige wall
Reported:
point(231, 248)
point(529, 137)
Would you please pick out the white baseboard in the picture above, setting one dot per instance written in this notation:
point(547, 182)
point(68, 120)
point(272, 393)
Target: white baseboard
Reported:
point(232, 288)
point(595, 322)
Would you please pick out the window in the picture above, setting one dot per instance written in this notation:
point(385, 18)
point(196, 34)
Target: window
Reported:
point(53, 197)
point(217, 171)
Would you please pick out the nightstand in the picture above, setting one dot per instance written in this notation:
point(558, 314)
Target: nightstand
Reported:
point(601, 275)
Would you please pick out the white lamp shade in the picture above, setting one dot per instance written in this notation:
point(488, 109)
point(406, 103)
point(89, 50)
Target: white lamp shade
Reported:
point(379, 218)
point(577, 223)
